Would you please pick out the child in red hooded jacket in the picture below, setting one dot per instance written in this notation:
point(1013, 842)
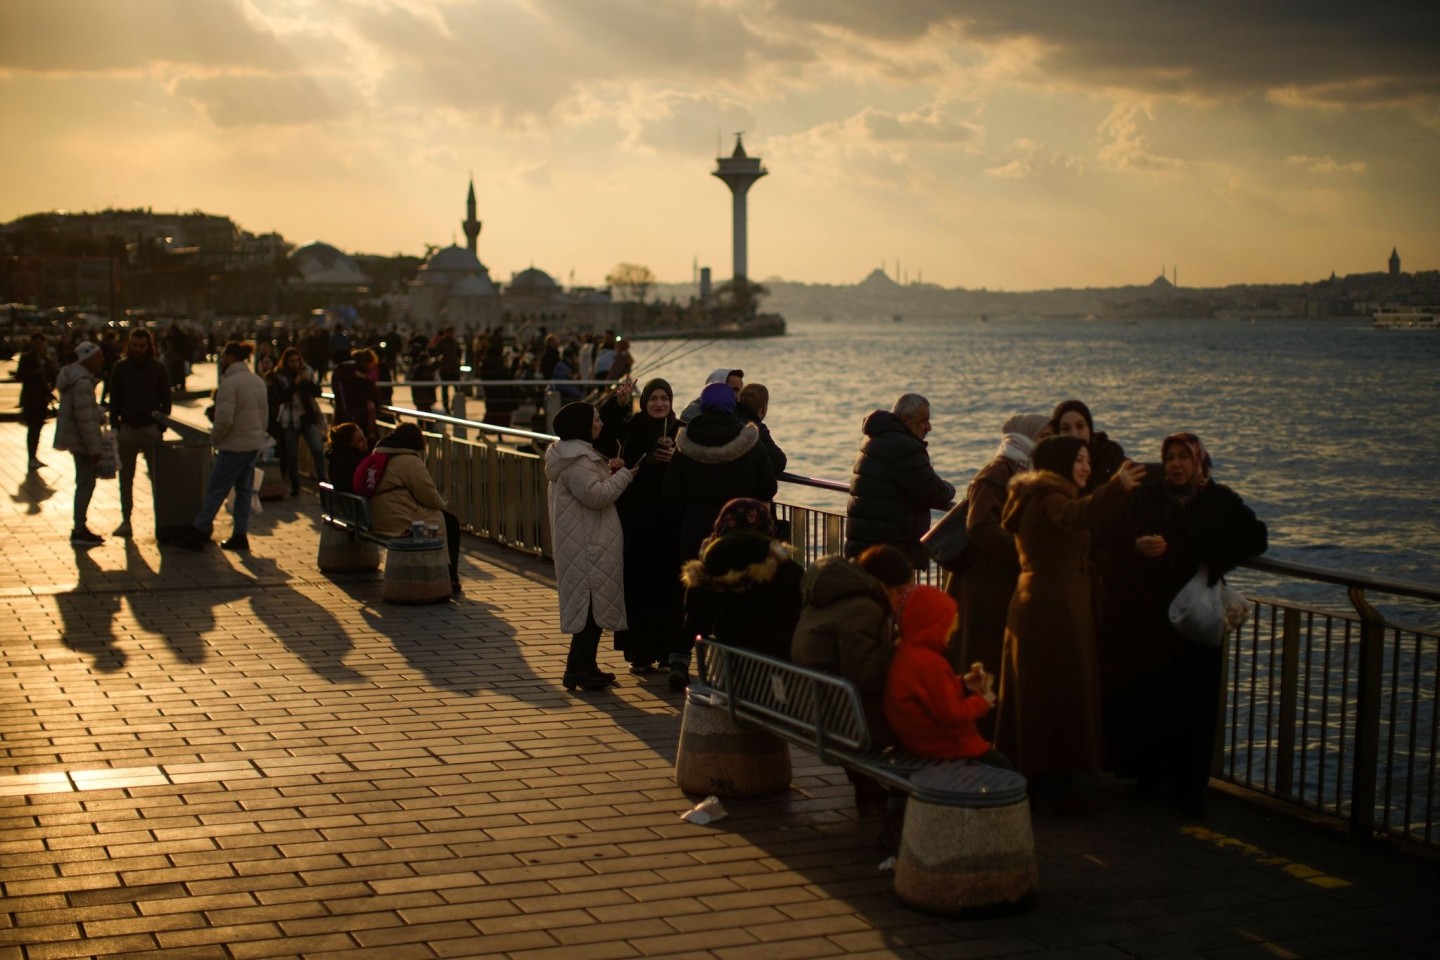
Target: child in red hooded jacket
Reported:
point(931, 710)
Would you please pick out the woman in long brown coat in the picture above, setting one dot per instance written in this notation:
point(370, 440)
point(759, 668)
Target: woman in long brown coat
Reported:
point(1049, 716)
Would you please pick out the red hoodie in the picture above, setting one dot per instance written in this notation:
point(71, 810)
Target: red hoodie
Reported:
point(932, 713)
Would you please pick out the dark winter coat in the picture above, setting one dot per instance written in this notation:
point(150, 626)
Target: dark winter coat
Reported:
point(1161, 690)
point(1049, 711)
point(37, 383)
point(1105, 458)
point(846, 630)
point(893, 489)
point(138, 387)
point(353, 391)
point(341, 466)
point(778, 459)
point(745, 591)
point(987, 581)
point(718, 457)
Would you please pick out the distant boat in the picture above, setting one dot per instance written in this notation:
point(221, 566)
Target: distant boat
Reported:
point(1407, 318)
point(898, 318)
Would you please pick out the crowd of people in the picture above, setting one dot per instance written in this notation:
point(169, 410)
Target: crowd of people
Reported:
point(1050, 648)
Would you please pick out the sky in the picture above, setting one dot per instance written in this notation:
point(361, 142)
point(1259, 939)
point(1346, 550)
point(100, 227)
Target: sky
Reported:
point(1019, 145)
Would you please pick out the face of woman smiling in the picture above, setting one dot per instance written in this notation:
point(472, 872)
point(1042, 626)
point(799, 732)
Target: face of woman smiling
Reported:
point(1073, 424)
point(657, 405)
point(1080, 472)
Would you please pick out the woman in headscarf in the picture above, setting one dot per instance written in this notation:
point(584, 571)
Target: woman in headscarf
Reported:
point(1049, 715)
point(745, 588)
point(589, 541)
point(718, 457)
point(406, 492)
point(1162, 690)
point(653, 595)
point(1072, 418)
point(985, 579)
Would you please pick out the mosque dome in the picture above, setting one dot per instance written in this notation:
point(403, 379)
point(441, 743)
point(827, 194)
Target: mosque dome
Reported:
point(475, 285)
point(453, 259)
point(320, 263)
point(533, 281)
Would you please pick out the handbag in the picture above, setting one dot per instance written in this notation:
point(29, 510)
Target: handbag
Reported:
point(109, 464)
point(1205, 612)
point(948, 539)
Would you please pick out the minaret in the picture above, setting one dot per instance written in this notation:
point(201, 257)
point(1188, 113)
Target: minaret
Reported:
point(471, 225)
point(739, 172)
point(1394, 261)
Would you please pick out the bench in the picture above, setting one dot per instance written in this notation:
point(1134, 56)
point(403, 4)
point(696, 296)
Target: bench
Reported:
point(966, 846)
point(416, 568)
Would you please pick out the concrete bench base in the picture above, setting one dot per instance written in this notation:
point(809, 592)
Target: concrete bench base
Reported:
point(417, 572)
point(717, 757)
point(344, 552)
point(963, 861)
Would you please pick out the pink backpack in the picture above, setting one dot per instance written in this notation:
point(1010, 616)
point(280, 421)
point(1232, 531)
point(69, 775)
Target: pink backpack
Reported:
point(369, 473)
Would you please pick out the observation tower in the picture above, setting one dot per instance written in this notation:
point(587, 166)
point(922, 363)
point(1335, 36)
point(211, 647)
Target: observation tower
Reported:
point(739, 171)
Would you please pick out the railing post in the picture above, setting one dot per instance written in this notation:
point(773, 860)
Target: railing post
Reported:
point(1289, 699)
point(1366, 755)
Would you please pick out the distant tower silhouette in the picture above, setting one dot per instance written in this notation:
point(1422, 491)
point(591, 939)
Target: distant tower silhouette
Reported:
point(471, 225)
point(739, 172)
point(1394, 262)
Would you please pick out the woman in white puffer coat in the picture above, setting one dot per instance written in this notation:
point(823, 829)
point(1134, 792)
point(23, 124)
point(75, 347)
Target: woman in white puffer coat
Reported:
point(589, 543)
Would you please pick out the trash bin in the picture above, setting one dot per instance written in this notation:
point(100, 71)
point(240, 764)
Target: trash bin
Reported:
point(182, 467)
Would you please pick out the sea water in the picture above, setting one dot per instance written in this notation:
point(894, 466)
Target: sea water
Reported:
point(1329, 430)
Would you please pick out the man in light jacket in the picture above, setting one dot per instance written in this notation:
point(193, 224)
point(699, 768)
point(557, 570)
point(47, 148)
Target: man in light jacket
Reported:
point(77, 429)
point(242, 410)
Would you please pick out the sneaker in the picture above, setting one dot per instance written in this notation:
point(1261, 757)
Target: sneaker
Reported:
point(239, 544)
point(123, 531)
point(82, 537)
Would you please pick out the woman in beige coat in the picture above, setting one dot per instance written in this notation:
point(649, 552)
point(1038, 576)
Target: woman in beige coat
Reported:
point(589, 543)
point(406, 493)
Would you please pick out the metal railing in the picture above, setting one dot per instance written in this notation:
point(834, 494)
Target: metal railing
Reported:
point(1330, 710)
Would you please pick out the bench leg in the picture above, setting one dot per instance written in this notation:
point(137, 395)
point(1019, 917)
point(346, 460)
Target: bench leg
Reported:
point(959, 861)
point(416, 576)
point(343, 552)
point(717, 757)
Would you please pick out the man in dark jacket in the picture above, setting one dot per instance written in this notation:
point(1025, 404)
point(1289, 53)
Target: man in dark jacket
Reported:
point(751, 406)
point(36, 373)
point(139, 387)
point(893, 487)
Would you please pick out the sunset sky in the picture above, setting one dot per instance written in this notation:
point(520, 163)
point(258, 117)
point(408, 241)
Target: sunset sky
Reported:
point(1015, 145)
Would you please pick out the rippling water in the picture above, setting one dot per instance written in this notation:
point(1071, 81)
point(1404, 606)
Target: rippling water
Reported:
point(1329, 430)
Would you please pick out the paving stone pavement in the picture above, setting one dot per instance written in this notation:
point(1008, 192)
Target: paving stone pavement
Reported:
point(205, 755)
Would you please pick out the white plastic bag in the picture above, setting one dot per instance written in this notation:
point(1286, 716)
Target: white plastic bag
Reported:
point(255, 505)
point(1198, 611)
point(109, 464)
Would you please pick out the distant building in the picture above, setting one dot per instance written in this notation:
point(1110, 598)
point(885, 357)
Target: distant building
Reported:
point(1394, 262)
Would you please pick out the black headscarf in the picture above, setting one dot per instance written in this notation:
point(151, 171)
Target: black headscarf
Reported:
point(1069, 406)
point(643, 430)
point(1057, 455)
point(575, 421)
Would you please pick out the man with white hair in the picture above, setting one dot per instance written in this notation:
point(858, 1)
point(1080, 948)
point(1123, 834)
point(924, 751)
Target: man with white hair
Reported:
point(893, 486)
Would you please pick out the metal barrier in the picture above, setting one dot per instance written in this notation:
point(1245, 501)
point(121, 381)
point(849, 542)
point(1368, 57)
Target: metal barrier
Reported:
point(1332, 711)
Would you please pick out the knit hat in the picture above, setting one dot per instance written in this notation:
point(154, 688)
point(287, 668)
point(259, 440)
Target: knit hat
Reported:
point(575, 421)
point(717, 398)
point(1057, 455)
point(84, 350)
point(926, 613)
point(743, 513)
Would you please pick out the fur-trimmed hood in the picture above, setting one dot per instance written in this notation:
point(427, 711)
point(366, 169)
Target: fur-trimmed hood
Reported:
point(716, 438)
point(562, 453)
point(737, 562)
point(1026, 486)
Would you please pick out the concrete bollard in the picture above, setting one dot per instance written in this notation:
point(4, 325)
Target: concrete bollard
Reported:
point(416, 572)
point(971, 852)
point(717, 757)
point(342, 552)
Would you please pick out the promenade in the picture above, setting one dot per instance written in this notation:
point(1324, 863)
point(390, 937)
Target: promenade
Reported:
point(211, 755)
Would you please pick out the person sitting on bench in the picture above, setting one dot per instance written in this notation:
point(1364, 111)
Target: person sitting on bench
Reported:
point(406, 492)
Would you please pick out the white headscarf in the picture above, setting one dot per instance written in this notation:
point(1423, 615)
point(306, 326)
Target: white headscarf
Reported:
point(1020, 432)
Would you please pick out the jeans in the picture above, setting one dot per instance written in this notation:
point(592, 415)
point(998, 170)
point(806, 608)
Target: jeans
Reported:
point(130, 442)
point(290, 453)
point(231, 469)
point(84, 487)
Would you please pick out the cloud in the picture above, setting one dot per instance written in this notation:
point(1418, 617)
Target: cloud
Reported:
point(1377, 53)
point(1129, 150)
point(1326, 165)
point(928, 124)
point(1028, 159)
point(237, 101)
point(100, 36)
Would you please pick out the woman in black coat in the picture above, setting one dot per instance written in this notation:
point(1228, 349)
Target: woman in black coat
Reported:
point(1162, 690)
point(718, 457)
point(653, 595)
